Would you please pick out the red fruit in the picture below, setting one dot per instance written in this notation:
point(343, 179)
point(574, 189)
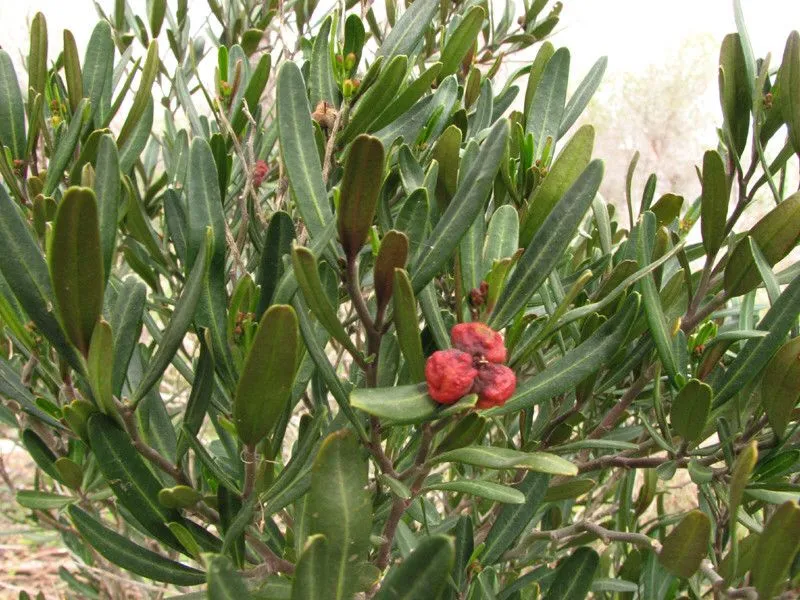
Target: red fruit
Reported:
point(494, 385)
point(450, 375)
point(480, 340)
point(260, 171)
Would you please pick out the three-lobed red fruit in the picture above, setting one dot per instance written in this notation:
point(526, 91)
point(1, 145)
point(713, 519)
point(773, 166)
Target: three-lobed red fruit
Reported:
point(474, 366)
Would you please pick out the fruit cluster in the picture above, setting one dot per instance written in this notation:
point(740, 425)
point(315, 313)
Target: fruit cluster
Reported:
point(474, 365)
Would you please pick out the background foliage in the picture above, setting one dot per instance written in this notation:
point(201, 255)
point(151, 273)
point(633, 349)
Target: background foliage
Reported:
point(296, 238)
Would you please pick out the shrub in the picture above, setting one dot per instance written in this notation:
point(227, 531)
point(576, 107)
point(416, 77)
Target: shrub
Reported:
point(216, 335)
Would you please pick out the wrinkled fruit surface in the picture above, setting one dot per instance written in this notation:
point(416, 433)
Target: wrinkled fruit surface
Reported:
point(450, 375)
point(480, 340)
point(494, 385)
point(472, 367)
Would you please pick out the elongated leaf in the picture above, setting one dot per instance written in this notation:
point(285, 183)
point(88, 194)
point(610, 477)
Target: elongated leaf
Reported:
point(178, 324)
point(340, 509)
point(566, 169)
point(406, 99)
point(686, 545)
point(461, 40)
point(492, 457)
point(690, 410)
point(298, 150)
point(133, 483)
point(322, 85)
point(514, 519)
point(740, 477)
point(98, 70)
point(463, 208)
point(107, 191)
point(72, 70)
point(37, 57)
point(547, 106)
point(776, 549)
point(582, 95)
point(574, 576)
point(100, 365)
point(483, 489)
point(252, 93)
point(199, 398)
point(577, 364)
point(423, 575)
point(126, 326)
point(404, 403)
point(64, 149)
point(40, 453)
point(28, 276)
point(392, 255)
point(780, 386)
point(132, 557)
point(76, 265)
point(224, 583)
point(407, 325)
point(408, 31)
point(502, 236)
point(36, 500)
point(361, 183)
point(309, 578)
point(790, 87)
point(143, 93)
point(277, 244)
point(735, 89)
point(714, 205)
point(12, 110)
point(776, 234)
point(266, 380)
point(547, 246)
point(757, 352)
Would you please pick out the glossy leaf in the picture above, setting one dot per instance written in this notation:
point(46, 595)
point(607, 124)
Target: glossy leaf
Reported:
point(547, 246)
point(266, 380)
point(686, 545)
point(76, 265)
point(423, 575)
point(132, 557)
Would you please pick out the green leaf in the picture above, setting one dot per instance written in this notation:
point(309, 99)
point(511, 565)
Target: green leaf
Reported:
point(341, 510)
point(577, 364)
point(100, 365)
point(132, 149)
point(224, 583)
point(582, 95)
point(776, 549)
point(483, 489)
point(574, 488)
point(574, 576)
point(266, 380)
point(71, 472)
point(423, 575)
point(126, 326)
point(563, 173)
point(143, 94)
point(547, 106)
point(12, 109)
point(361, 184)
point(714, 203)
point(461, 40)
point(776, 234)
point(690, 409)
point(36, 500)
point(547, 246)
point(780, 386)
point(322, 84)
point(502, 236)
point(667, 209)
point(407, 98)
point(492, 457)
point(405, 403)
point(790, 87)
point(40, 453)
point(181, 318)
point(64, 150)
point(252, 93)
point(307, 273)
point(407, 325)
point(131, 480)
point(277, 244)
point(298, 150)
point(657, 321)
point(72, 70)
point(37, 57)
point(757, 352)
point(408, 31)
point(514, 519)
point(199, 397)
point(156, 9)
point(28, 276)
point(180, 496)
point(76, 265)
point(740, 477)
point(107, 191)
point(377, 96)
point(392, 255)
point(465, 206)
point(309, 576)
point(132, 557)
point(734, 93)
point(686, 545)
point(447, 153)
point(98, 72)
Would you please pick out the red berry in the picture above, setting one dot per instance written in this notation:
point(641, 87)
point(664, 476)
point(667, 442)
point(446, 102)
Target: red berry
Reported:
point(260, 171)
point(480, 340)
point(494, 385)
point(450, 375)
